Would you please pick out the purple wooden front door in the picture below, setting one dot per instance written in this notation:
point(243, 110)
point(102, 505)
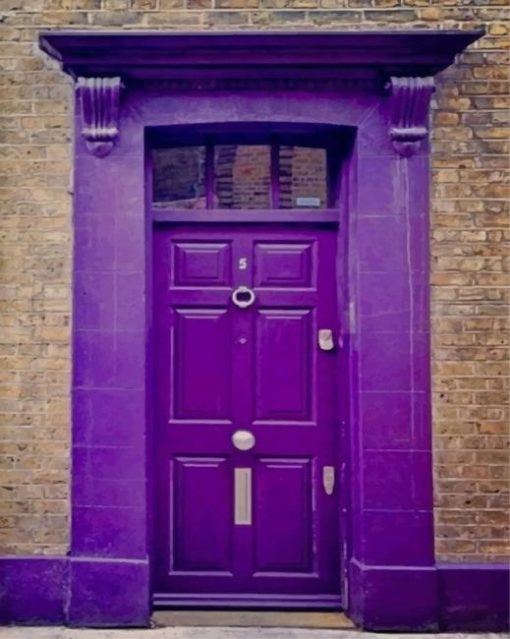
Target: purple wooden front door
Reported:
point(254, 525)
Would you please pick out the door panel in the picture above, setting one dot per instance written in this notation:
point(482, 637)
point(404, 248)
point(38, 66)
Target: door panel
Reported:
point(220, 368)
point(284, 378)
point(201, 504)
point(278, 265)
point(201, 376)
point(201, 264)
point(284, 522)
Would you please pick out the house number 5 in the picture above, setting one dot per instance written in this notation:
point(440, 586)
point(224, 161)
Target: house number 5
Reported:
point(243, 263)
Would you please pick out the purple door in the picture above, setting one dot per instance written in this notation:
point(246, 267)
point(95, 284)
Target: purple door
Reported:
point(247, 417)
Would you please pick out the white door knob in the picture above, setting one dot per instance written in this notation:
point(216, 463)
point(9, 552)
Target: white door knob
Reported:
point(243, 440)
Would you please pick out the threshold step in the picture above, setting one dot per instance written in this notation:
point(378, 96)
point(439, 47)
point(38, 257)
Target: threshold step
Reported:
point(239, 618)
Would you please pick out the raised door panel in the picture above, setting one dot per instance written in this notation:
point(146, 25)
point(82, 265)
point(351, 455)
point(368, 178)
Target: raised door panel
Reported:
point(284, 265)
point(201, 264)
point(284, 539)
point(201, 514)
point(201, 364)
point(284, 375)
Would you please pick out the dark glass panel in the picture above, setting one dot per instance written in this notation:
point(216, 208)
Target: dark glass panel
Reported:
point(179, 177)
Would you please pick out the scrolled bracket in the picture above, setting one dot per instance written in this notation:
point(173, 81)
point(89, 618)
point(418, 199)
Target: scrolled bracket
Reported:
point(410, 103)
point(99, 98)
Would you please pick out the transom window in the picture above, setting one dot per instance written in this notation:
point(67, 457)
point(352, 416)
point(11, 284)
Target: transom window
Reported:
point(228, 169)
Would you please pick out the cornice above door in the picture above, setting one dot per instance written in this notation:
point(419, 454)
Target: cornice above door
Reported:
point(402, 62)
point(158, 55)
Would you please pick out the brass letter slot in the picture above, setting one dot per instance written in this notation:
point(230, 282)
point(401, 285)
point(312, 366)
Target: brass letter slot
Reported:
point(242, 496)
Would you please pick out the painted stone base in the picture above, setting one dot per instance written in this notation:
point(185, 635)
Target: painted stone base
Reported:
point(393, 598)
point(474, 596)
point(441, 597)
point(33, 590)
point(109, 593)
point(85, 591)
point(79, 591)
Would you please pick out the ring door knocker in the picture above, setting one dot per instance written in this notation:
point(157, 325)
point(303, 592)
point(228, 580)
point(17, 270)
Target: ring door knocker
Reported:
point(243, 296)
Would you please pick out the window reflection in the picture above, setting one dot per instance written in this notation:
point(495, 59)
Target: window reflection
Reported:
point(179, 176)
point(303, 177)
point(242, 176)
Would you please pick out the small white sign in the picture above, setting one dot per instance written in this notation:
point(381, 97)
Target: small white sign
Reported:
point(312, 202)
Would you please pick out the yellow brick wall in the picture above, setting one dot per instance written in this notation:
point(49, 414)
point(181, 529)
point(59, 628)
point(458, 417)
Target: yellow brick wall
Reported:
point(469, 230)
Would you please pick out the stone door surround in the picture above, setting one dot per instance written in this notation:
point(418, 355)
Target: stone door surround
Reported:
point(375, 85)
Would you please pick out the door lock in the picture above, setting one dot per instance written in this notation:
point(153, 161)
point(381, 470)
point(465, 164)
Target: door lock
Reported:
point(325, 339)
point(328, 479)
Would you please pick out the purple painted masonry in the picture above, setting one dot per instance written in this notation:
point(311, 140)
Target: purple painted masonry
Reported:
point(284, 82)
point(33, 590)
point(474, 597)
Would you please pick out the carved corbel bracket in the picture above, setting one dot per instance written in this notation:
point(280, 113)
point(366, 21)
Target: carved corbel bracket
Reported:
point(410, 102)
point(99, 99)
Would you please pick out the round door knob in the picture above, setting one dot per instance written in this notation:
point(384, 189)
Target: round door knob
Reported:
point(243, 297)
point(243, 440)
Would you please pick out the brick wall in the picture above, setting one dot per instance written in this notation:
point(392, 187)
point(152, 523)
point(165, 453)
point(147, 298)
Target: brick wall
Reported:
point(469, 227)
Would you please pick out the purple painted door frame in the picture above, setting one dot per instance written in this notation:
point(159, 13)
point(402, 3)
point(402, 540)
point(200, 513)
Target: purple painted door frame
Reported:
point(130, 83)
point(390, 486)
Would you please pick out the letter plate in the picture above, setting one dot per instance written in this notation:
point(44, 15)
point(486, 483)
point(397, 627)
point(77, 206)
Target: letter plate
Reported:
point(242, 496)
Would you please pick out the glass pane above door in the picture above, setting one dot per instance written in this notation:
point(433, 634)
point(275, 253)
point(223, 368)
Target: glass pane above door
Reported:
point(179, 177)
point(245, 177)
point(303, 177)
point(242, 176)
